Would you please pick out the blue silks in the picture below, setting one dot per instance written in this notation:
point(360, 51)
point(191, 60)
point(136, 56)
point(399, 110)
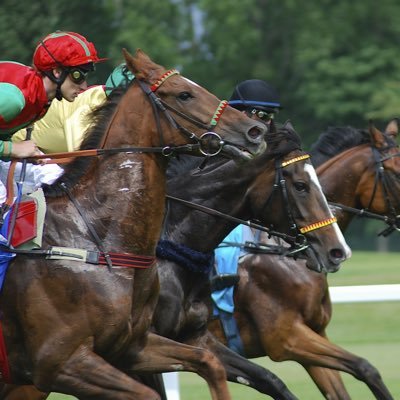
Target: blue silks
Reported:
point(227, 258)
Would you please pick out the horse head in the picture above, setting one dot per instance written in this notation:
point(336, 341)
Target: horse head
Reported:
point(193, 111)
point(379, 187)
point(247, 192)
point(297, 206)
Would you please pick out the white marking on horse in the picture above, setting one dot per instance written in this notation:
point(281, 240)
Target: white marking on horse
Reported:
point(193, 83)
point(127, 164)
point(314, 178)
point(242, 380)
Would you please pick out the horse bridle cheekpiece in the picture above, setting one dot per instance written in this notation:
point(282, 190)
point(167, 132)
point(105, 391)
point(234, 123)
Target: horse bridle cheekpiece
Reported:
point(301, 242)
point(207, 139)
point(388, 185)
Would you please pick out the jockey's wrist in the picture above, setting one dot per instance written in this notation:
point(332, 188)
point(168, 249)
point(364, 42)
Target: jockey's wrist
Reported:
point(5, 150)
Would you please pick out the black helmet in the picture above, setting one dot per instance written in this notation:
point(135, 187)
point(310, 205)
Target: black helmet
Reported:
point(257, 94)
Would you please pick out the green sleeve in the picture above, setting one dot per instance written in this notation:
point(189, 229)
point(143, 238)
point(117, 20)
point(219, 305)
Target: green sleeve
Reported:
point(12, 101)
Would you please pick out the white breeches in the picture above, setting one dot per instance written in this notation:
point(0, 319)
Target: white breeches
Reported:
point(35, 176)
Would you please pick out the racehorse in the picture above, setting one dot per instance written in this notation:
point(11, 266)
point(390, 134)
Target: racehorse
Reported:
point(186, 251)
point(75, 318)
point(282, 309)
point(242, 191)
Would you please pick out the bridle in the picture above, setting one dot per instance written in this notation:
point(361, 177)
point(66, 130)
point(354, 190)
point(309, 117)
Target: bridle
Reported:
point(201, 142)
point(388, 185)
point(300, 242)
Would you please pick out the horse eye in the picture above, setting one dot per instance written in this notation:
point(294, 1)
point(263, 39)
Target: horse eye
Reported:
point(184, 96)
point(300, 186)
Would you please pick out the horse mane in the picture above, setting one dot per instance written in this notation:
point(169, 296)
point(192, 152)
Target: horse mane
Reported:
point(99, 119)
point(335, 140)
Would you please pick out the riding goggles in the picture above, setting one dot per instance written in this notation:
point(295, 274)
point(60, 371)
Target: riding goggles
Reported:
point(78, 75)
point(263, 115)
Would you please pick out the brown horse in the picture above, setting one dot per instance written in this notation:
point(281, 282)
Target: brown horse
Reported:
point(282, 308)
point(241, 191)
point(82, 328)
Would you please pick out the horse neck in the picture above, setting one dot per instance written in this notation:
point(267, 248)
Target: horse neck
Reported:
point(340, 178)
point(229, 185)
point(123, 195)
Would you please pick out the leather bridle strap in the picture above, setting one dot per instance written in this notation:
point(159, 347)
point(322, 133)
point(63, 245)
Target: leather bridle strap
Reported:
point(393, 220)
point(211, 211)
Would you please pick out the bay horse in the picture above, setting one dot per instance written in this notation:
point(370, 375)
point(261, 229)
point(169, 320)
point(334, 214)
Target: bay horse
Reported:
point(282, 308)
point(241, 191)
point(78, 320)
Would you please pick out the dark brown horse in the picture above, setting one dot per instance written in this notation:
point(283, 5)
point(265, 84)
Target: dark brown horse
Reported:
point(81, 328)
point(191, 235)
point(282, 309)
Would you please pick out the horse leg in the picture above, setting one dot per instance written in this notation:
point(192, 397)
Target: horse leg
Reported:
point(308, 348)
point(165, 355)
point(87, 376)
point(329, 382)
point(25, 392)
point(241, 370)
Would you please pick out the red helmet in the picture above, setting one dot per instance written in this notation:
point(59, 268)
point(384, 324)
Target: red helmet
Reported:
point(64, 49)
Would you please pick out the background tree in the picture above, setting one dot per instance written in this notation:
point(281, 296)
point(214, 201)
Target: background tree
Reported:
point(335, 62)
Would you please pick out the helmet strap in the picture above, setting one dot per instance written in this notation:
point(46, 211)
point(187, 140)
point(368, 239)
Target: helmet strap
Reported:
point(59, 81)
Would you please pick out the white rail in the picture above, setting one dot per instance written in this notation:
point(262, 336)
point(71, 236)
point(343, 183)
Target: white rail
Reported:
point(339, 294)
point(357, 294)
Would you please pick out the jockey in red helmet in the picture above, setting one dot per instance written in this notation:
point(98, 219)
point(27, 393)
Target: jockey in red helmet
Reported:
point(61, 62)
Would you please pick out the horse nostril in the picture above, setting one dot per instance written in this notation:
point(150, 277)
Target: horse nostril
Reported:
point(337, 256)
point(255, 132)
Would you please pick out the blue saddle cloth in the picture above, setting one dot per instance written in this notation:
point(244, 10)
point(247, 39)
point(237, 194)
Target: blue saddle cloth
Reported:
point(227, 258)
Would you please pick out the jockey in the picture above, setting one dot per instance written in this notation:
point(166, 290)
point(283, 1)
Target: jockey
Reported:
point(256, 98)
point(260, 101)
point(63, 127)
point(61, 62)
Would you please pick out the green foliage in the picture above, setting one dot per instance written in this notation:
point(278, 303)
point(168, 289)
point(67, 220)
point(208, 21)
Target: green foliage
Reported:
point(335, 63)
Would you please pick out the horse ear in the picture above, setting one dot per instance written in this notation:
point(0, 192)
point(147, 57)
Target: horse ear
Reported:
point(392, 128)
point(133, 61)
point(377, 137)
point(288, 125)
point(141, 65)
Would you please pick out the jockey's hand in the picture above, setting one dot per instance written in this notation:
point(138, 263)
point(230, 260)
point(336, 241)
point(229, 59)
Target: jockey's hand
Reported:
point(24, 149)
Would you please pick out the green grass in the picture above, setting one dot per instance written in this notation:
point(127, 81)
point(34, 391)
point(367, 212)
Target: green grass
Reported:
point(370, 330)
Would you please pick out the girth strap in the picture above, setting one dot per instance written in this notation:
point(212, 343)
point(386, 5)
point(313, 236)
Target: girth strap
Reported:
point(127, 260)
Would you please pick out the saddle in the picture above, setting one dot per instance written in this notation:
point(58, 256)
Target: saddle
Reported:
point(25, 228)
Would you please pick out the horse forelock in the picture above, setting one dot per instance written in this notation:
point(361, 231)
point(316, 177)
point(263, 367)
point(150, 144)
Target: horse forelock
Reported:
point(283, 141)
point(99, 120)
point(336, 140)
